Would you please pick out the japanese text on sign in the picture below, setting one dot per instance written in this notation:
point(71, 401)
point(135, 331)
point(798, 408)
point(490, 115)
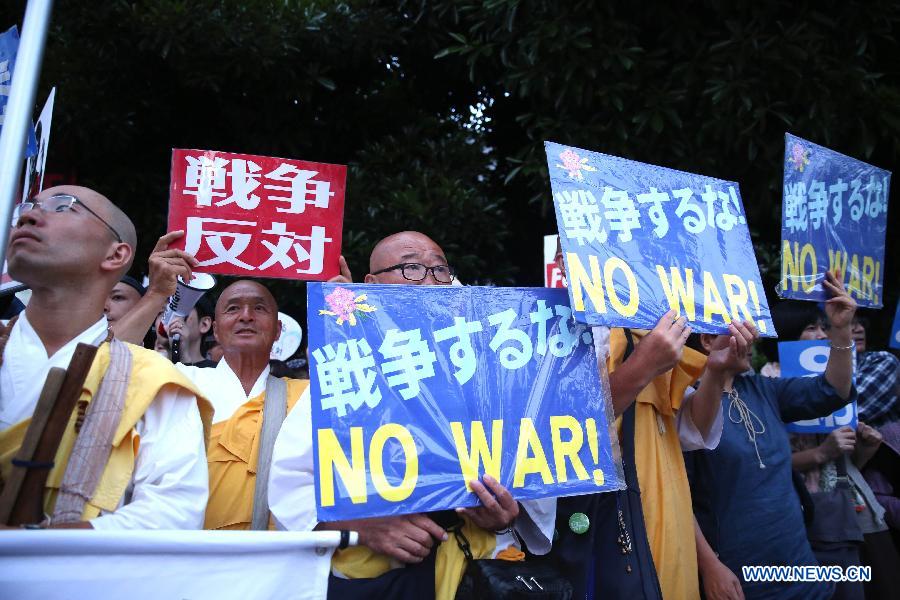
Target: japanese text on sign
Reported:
point(834, 218)
point(258, 216)
point(808, 358)
point(640, 240)
point(410, 404)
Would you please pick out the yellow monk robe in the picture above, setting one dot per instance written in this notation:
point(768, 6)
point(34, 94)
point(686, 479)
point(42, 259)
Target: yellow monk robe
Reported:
point(232, 457)
point(665, 493)
point(359, 562)
point(150, 372)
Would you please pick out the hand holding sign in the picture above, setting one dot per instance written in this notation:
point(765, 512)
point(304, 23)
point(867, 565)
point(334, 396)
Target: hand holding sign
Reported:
point(498, 508)
point(840, 308)
point(730, 353)
point(166, 265)
point(840, 441)
point(407, 538)
point(661, 349)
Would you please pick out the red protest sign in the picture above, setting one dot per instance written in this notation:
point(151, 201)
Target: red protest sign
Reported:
point(258, 216)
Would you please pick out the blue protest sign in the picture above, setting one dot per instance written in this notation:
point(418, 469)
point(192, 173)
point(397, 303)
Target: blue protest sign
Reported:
point(833, 218)
point(417, 390)
point(894, 342)
point(9, 47)
point(808, 358)
point(639, 240)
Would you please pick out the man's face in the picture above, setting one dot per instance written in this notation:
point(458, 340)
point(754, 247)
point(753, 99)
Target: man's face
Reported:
point(120, 300)
point(44, 244)
point(246, 319)
point(406, 249)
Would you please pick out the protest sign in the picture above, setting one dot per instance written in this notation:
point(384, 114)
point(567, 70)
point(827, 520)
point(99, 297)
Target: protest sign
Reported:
point(833, 218)
point(36, 165)
point(639, 240)
point(418, 390)
point(553, 277)
point(895, 329)
point(258, 216)
point(9, 48)
point(808, 358)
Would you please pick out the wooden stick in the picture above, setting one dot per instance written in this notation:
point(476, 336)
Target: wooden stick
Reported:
point(45, 432)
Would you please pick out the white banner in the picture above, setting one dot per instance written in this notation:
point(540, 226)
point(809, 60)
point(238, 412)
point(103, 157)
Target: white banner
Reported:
point(187, 565)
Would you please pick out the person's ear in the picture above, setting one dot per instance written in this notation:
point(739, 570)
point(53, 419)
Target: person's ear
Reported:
point(118, 257)
point(278, 331)
point(706, 341)
point(215, 326)
point(369, 278)
point(205, 324)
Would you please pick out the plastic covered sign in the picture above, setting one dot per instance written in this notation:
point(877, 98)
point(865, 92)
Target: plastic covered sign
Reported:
point(833, 218)
point(417, 390)
point(258, 216)
point(808, 358)
point(639, 240)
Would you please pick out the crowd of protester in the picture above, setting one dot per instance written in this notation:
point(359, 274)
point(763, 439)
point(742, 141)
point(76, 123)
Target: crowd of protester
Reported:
point(715, 481)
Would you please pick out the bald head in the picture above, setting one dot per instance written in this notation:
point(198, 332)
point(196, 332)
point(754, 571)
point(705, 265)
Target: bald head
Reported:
point(246, 321)
point(245, 288)
point(105, 209)
point(76, 248)
point(404, 248)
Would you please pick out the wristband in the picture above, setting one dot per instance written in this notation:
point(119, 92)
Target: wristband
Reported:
point(345, 539)
point(850, 347)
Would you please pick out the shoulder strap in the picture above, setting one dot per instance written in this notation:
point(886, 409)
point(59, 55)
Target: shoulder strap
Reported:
point(274, 411)
point(627, 440)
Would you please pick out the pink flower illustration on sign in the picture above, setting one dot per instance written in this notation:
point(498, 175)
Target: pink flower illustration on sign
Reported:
point(344, 305)
point(799, 157)
point(574, 164)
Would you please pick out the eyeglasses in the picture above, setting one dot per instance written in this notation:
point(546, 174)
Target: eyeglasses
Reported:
point(417, 272)
point(57, 203)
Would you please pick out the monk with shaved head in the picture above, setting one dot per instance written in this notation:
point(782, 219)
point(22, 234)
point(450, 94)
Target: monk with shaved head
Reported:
point(246, 400)
point(139, 431)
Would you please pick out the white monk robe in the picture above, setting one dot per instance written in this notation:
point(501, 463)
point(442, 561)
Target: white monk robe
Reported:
point(292, 488)
point(170, 484)
point(222, 387)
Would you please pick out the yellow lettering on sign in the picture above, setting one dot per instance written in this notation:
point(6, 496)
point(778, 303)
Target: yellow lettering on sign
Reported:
point(471, 459)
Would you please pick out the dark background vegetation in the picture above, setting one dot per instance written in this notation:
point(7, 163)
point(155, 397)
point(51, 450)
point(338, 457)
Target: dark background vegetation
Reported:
point(440, 108)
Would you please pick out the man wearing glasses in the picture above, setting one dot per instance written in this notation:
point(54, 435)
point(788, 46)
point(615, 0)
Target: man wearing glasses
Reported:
point(369, 570)
point(139, 434)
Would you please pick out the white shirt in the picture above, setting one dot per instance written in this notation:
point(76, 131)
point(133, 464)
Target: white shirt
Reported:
point(170, 483)
point(222, 387)
point(292, 496)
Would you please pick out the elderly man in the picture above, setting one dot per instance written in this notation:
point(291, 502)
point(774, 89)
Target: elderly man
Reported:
point(141, 441)
point(369, 570)
point(246, 401)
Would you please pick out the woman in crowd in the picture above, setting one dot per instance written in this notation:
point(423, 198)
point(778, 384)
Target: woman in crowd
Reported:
point(744, 498)
point(848, 526)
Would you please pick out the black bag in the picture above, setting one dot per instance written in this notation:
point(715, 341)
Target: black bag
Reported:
point(834, 517)
point(612, 558)
point(508, 580)
point(496, 579)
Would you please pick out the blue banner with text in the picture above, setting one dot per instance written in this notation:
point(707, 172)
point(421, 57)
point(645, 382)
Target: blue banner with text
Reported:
point(418, 390)
point(639, 240)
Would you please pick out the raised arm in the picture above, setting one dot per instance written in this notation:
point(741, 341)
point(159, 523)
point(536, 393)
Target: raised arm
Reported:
point(840, 309)
point(165, 266)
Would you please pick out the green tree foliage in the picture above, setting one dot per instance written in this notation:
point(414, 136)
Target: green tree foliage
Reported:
point(389, 89)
